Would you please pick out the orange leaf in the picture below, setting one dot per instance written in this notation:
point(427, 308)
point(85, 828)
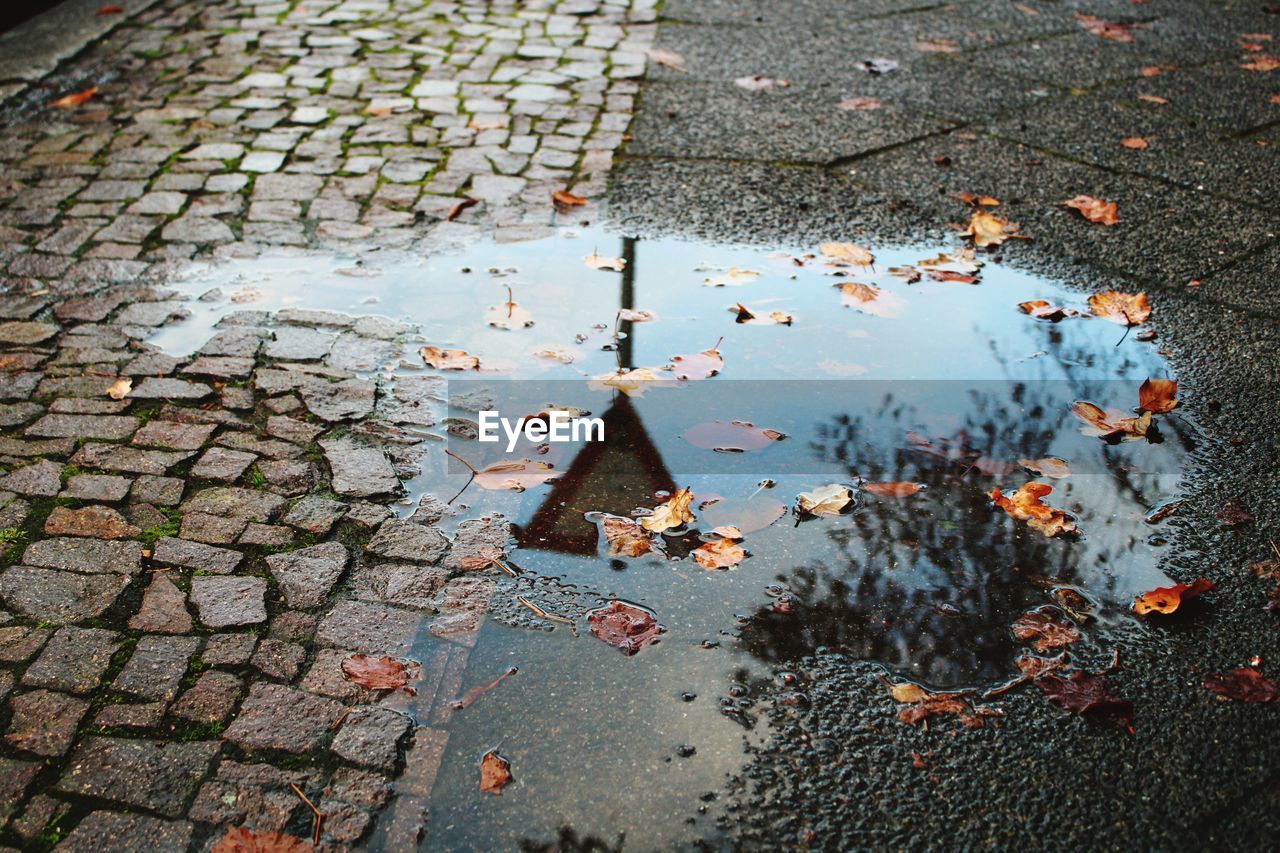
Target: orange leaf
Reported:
point(1049, 466)
point(448, 359)
point(241, 840)
point(1262, 63)
point(1094, 209)
point(1044, 631)
point(987, 229)
point(870, 300)
point(1105, 29)
point(375, 673)
point(721, 554)
point(1136, 143)
point(625, 626)
point(460, 206)
point(1042, 310)
point(975, 200)
point(1025, 505)
point(75, 100)
point(495, 772)
point(674, 512)
point(892, 490)
point(120, 388)
point(1158, 395)
point(625, 536)
point(1153, 99)
point(565, 201)
point(1127, 309)
point(1168, 599)
point(847, 253)
point(859, 104)
point(1111, 424)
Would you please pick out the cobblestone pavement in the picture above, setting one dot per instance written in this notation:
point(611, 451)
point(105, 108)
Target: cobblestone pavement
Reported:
point(190, 563)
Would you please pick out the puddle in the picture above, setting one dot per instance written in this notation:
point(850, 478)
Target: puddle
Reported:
point(942, 383)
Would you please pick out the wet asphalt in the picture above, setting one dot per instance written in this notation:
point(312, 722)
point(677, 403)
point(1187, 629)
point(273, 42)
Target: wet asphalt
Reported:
point(1028, 108)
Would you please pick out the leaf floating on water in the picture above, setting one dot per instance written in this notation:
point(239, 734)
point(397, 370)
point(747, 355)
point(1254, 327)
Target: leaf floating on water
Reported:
point(636, 315)
point(950, 275)
point(1025, 505)
point(847, 253)
point(870, 299)
point(508, 315)
point(633, 382)
point(72, 101)
point(1127, 309)
point(1043, 310)
point(1244, 685)
point(625, 626)
point(1167, 599)
point(1086, 693)
point(702, 365)
point(625, 536)
point(564, 201)
point(987, 229)
point(600, 262)
point(554, 352)
point(674, 512)
point(731, 436)
point(773, 318)
point(1158, 395)
point(721, 554)
point(515, 475)
point(1047, 466)
point(120, 388)
point(240, 840)
point(495, 772)
point(961, 261)
point(746, 515)
point(376, 673)
point(448, 359)
point(1111, 424)
point(485, 556)
point(1094, 209)
point(892, 490)
point(1044, 631)
point(825, 501)
point(731, 277)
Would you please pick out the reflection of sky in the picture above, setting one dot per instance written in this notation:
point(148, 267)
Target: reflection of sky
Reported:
point(926, 584)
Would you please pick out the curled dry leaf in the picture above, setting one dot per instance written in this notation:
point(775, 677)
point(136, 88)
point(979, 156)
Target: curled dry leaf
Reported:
point(773, 318)
point(240, 840)
point(731, 277)
point(702, 365)
point(1127, 309)
point(448, 359)
point(1043, 310)
point(961, 261)
point(759, 83)
point(1086, 693)
point(1167, 599)
point(495, 772)
point(1047, 466)
point(515, 475)
point(987, 229)
point(625, 536)
point(859, 104)
point(672, 513)
point(626, 626)
point(1135, 143)
point(731, 436)
point(951, 275)
point(1044, 631)
point(1158, 395)
point(727, 531)
point(458, 206)
point(599, 262)
point(564, 201)
point(120, 388)
point(870, 299)
point(376, 673)
point(825, 501)
point(1094, 209)
point(1244, 685)
point(847, 253)
point(1111, 424)
point(72, 101)
point(1025, 505)
point(1105, 29)
point(922, 704)
point(721, 554)
point(892, 490)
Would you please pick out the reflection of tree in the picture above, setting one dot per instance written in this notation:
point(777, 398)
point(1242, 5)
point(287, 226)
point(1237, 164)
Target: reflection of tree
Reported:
point(568, 841)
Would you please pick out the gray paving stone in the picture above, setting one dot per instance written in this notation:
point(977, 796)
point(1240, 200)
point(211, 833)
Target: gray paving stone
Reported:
point(228, 601)
point(231, 502)
point(161, 491)
point(220, 463)
point(59, 598)
point(306, 576)
point(368, 628)
point(158, 777)
point(315, 514)
point(163, 609)
point(371, 737)
point(277, 717)
point(128, 833)
point(359, 470)
point(153, 388)
point(94, 487)
point(398, 539)
point(44, 722)
point(130, 460)
point(85, 555)
point(210, 700)
point(42, 478)
point(156, 667)
point(84, 426)
point(73, 660)
point(349, 399)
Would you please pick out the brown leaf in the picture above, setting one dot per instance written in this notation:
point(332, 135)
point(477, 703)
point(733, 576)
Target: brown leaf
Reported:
point(1155, 70)
point(564, 201)
point(1234, 513)
point(892, 490)
point(74, 100)
point(731, 436)
point(599, 262)
point(1127, 309)
point(1111, 424)
point(1094, 209)
point(375, 673)
point(859, 104)
point(773, 318)
point(1032, 666)
point(721, 554)
point(758, 83)
point(702, 365)
point(1153, 99)
point(495, 772)
point(1273, 599)
point(1135, 143)
point(1042, 310)
point(456, 210)
point(1167, 599)
point(1105, 29)
point(674, 512)
point(1044, 631)
point(1086, 693)
point(987, 229)
point(110, 10)
point(1244, 685)
point(731, 277)
point(626, 626)
point(1262, 63)
point(847, 253)
point(825, 501)
point(870, 299)
point(485, 556)
point(515, 475)
point(625, 536)
point(952, 275)
point(240, 840)
point(668, 58)
point(1047, 466)
point(975, 200)
point(937, 45)
point(1158, 395)
point(922, 704)
point(1025, 505)
point(508, 315)
point(120, 388)
point(448, 359)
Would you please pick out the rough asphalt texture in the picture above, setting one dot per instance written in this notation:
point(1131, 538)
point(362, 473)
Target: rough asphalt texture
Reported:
point(1030, 108)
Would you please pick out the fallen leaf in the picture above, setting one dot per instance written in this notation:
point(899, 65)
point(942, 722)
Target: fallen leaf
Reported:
point(110, 10)
point(731, 436)
point(878, 66)
point(672, 513)
point(515, 475)
point(625, 536)
point(1033, 666)
point(1043, 310)
point(937, 45)
point(1127, 309)
point(668, 58)
point(508, 315)
point(120, 388)
point(702, 365)
point(1047, 466)
point(759, 83)
point(859, 104)
point(987, 229)
point(240, 840)
point(847, 253)
point(1167, 599)
point(600, 262)
point(1085, 693)
point(1026, 10)
point(1025, 505)
point(975, 200)
point(485, 556)
point(634, 382)
point(375, 673)
point(721, 554)
point(448, 359)
point(963, 260)
point(1094, 209)
point(1044, 631)
point(1234, 513)
point(1105, 29)
point(727, 531)
point(554, 352)
point(773, 318)
point(1244, 685)
point(495, 772)
point(952, 275)
point(1135, 143)
point(564, 200)
point(892, 490)
point(747, 515)
point(460, 206)
point(1251, 46)
point(923, 704)
point(825, 501)
point(1158, 395)
point(626, 626)
point(1111, 424)
point(637, 315)
point(732, 277)
point(1263, 63)
point(71, 101)
point(1153, 99)
point(1155, 70)
point(870, 299)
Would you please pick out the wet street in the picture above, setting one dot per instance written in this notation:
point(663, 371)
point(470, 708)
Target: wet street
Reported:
point(933, 353)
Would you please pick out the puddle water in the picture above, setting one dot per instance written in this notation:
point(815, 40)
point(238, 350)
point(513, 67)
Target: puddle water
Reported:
point(942, 383)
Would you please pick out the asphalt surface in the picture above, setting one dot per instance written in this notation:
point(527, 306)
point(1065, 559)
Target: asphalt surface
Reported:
point(1030, 109)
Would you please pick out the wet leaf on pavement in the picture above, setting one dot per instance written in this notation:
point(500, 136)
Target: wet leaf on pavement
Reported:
point(1048, 466)
point(1026, 505)
point(674, 512)
point(1127, 309)
point(1105, 29)
point(120, 388)
point(859, 104)
point(625, 536)
point(1264, 63)
point(625, 626)
point(760, 83)
point(923, 704)
point(458, 206)
point(1094, 209)
point(667, 58)
point(1158, 395)
point(987, 229)
point(1244, 684)
point(564, 201)
point(1111, 424)
point(721, 554)
point(495, 772)
point(240, 840)
point(1085, 693)
point(1135, 143)
point(375, 673)
point(825, 501)
point(448, 359)
point(1044, 631)
point(1167, 599)
point(76, 99)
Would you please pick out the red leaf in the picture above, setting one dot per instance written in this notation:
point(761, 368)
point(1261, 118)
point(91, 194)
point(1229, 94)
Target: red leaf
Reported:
point(1244, 685)
point(1085, 693)
point(241, 840)
point(74, 100)
point(110, 10)
point(626, 626)
point(375, 673)
point(495, 772)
